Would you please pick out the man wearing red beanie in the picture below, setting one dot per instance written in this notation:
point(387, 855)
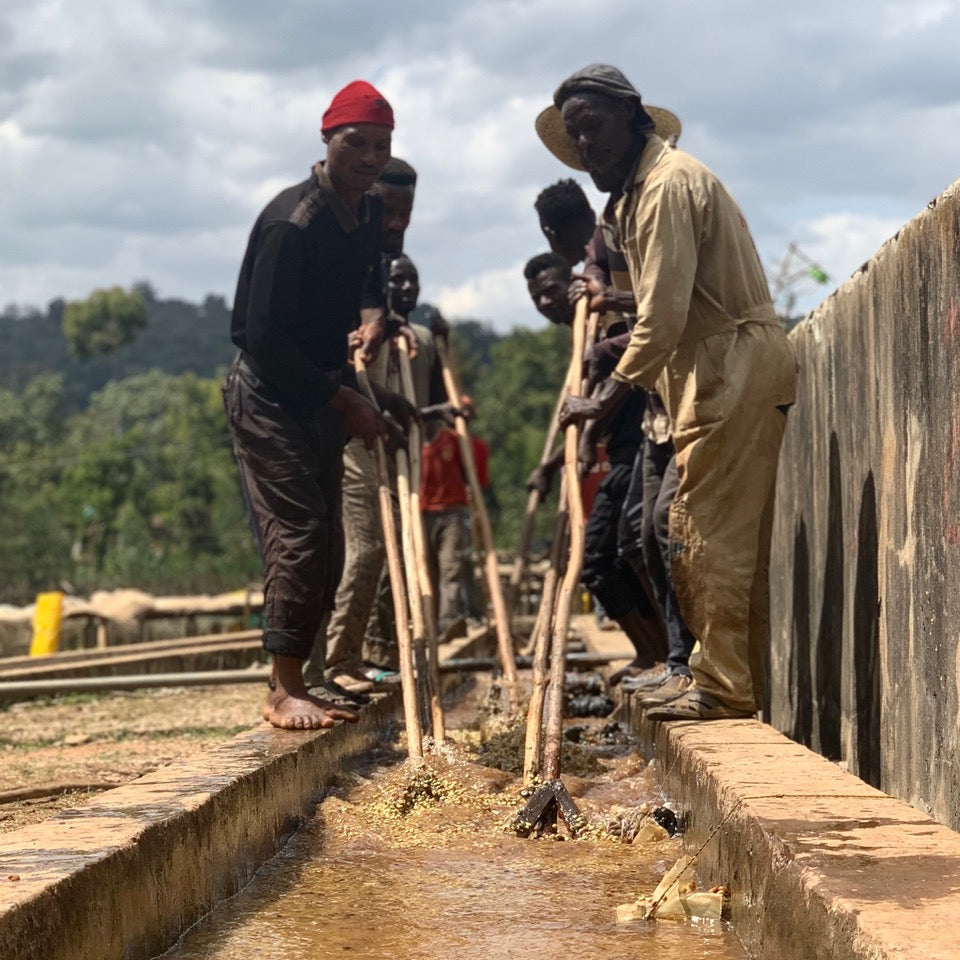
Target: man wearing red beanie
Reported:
point(290, 396)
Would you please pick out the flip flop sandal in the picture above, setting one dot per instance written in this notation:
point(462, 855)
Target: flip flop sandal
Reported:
point(696, 705)
point(331, 690)
point(383, 676)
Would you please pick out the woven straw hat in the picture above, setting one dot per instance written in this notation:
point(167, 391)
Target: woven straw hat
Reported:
point(552, 132)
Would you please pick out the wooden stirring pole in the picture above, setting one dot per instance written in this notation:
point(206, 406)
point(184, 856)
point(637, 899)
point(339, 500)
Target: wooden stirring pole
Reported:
point(397, 588)
point(554, 728)
point(501, 619)
point(533, 505)
point(419, 586)
point(540, 639)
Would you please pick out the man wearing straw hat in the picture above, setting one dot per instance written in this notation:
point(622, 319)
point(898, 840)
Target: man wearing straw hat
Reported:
point(708, 339)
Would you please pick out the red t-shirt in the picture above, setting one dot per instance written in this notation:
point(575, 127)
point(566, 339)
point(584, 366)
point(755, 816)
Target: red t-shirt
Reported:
point(442, 481)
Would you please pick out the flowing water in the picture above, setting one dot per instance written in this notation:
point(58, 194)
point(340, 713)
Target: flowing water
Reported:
point(426, 868)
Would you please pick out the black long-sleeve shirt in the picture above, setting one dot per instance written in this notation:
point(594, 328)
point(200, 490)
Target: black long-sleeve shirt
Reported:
point(309, 260)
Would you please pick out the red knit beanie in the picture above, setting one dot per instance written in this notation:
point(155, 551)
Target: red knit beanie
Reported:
point(357, 102)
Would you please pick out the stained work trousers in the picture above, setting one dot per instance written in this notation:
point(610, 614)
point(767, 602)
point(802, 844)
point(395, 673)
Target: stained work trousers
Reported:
point(341, 646)
point(290, 467)
point(727, 395)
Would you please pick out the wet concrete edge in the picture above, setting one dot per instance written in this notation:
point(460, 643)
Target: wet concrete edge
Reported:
point(821, 865)
point(120, 877)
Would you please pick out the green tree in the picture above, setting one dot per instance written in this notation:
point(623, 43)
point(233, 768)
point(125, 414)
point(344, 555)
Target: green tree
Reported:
point(107, 319)
point(515, 395)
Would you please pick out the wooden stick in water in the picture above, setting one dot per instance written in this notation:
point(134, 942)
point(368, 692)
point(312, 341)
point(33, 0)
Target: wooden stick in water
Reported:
point(540, 638)
point(418, 574)
point(397, 588)
point(553, 739)
point(500, 617)
point(544, 627)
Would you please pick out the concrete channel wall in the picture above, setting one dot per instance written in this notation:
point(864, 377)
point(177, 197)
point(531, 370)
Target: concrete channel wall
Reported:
point(865, 573)
point(121, 876)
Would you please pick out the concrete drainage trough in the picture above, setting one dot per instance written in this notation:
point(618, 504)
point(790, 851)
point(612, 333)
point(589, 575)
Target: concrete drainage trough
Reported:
point(121, 876)
point(821, 865)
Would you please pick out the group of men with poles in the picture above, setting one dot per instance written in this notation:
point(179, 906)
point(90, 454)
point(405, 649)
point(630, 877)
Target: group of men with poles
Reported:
point(323, 357)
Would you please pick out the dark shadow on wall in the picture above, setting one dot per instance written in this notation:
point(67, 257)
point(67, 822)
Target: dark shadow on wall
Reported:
point(866, 639)
point(801, 677)
point(829, 649)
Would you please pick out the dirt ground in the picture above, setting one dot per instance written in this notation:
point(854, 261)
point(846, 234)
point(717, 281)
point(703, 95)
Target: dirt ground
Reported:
point(55, 753)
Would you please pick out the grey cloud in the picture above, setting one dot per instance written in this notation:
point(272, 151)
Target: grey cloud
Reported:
point(802, 110)
point(300, 34)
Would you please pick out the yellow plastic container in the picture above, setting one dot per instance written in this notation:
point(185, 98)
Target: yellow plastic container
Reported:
point(46, 624)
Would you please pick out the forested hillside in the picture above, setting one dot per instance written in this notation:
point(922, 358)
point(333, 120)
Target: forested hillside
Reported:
point(179, 337)
point(117, 470)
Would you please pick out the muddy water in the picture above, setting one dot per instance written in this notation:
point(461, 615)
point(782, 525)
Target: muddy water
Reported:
point(426, 869)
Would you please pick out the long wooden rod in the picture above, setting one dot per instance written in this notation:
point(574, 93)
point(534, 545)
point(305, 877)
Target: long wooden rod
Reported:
point(418, 572)
point(500, 617)
point(553, 739)
point(397, 588)
point(540, 639)
point(533, 505)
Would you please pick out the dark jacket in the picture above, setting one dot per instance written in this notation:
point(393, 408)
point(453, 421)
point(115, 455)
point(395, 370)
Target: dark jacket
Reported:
point(309, 261)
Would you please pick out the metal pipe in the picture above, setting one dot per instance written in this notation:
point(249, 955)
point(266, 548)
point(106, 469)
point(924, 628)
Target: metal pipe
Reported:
point(15, 689)
point(588, 659)
point(18, 689)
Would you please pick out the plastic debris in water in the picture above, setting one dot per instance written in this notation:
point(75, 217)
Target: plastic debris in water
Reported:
point(676, 898)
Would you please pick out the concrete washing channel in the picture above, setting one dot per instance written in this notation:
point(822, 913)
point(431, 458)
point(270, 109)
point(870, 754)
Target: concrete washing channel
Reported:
point(820, 864)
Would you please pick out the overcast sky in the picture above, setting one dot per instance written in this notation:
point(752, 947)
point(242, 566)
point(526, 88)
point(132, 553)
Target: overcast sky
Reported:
point(139, 140)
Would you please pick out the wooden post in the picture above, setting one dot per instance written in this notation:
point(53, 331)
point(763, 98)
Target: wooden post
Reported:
point(542, 633)
point(419, 587)
point(414, 596)
point(500, 617)
point(554, 733)
point(544, 627)
point(533, 505)
point(397, 588)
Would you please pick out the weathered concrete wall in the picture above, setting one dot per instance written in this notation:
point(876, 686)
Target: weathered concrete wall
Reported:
point(121, 876)
point(865, 606)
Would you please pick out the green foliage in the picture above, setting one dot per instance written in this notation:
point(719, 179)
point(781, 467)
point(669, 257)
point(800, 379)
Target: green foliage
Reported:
point(139, 490)
point(515, 395)
point(179, 337)
point(107, 319)
point(118, 471)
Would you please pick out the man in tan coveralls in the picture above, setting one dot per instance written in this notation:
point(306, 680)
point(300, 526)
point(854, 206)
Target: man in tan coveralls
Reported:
point(708, 340)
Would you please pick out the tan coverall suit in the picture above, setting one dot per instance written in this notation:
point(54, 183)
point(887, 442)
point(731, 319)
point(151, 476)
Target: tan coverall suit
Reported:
point(708, 340)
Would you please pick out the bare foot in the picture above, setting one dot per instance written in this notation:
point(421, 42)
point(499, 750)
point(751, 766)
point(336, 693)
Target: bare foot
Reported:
point(290, 707)
point(291, 712)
